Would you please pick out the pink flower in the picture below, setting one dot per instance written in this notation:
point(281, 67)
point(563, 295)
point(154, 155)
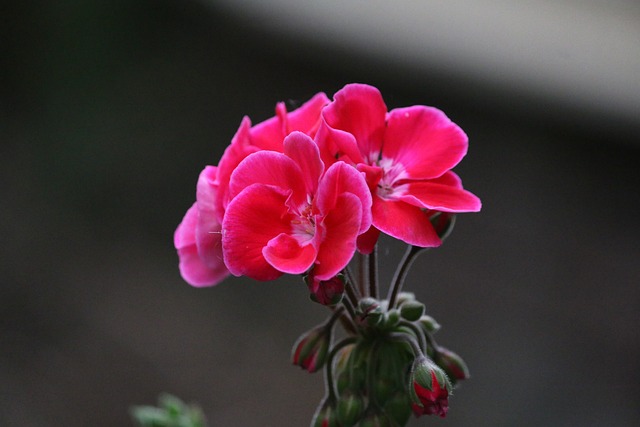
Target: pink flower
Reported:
point(286, 214)
point(268, 135)
point(198, 238)
point(406, 154)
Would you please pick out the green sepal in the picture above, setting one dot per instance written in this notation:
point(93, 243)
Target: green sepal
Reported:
point(412, 310)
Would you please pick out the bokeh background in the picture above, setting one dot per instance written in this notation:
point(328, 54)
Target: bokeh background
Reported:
point(110, 109)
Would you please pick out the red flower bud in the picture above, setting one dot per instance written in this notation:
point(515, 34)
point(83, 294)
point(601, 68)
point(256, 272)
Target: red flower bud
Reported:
point(326, 292)
point(311, 350)
point(429, 387)
point(452, 364)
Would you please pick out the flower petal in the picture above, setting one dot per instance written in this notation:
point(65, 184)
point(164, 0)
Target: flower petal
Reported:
point(192, 267)
point(307, 118)
point(269, 168)
point(405, 222)
point(208, 227)
point(440, 197)
point(302, 150)
point(197, 273)
point(268, 135)
point(236, 152)
point(253, 218)
point(341, 178)
point(286, 254)
point(424, 141)
point(367, 241)
point(360, 110)
point(341, 227)
point(337, 145)
point(185, 234)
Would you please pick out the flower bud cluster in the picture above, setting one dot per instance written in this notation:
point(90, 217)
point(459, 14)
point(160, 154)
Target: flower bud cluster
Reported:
point(391, 368)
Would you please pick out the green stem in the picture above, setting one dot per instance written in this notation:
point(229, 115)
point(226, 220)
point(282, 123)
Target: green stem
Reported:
point(409, 339)
point(420, 335)
point(431, 343)
point(350, 288)
point(401, 273)
point(362, 273)
point(336, 314)
point(373, 272)
point(348, 321)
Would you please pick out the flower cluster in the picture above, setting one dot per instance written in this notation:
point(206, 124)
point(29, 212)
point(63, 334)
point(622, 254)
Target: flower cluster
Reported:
point(302, 190)
point(305, 191)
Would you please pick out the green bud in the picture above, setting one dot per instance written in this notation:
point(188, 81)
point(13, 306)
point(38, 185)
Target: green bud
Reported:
point(429, 324)
point(383, 388)
point(391, 318)
point(389, 363)
point(370, 312)
point(405, 297)
point(412, 310)
point(375, 418)
point(352, 372)
point(311, 350)
point(398, 408)
point(452, 364)
point(350, 408)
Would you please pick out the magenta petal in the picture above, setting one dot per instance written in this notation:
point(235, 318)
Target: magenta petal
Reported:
point(341, 178)
point(185, 234)
point(367, 241)
point(405, 222)
point(307, 118)
point(424, 141)
point(337, 145)
point(440, 197)
point(253, 218)
point(449, 178)
point(192, 267)
point(269, 134)
point(302, 150)
point(360, 110)
point(195, 272)
point(237, 151)
point(341, 227)
point(208, 227)
point(269, 168)
point(286, 254)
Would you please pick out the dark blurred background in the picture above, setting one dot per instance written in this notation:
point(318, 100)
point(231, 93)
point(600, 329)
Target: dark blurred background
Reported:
point(110, 109)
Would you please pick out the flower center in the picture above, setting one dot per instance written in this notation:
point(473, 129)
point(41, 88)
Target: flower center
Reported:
point(391, 174)
point(303, 225)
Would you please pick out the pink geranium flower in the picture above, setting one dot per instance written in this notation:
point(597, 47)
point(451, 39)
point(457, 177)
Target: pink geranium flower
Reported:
point(268, 135)
point(198, 238)
point(286, 214)
point(406, 154)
